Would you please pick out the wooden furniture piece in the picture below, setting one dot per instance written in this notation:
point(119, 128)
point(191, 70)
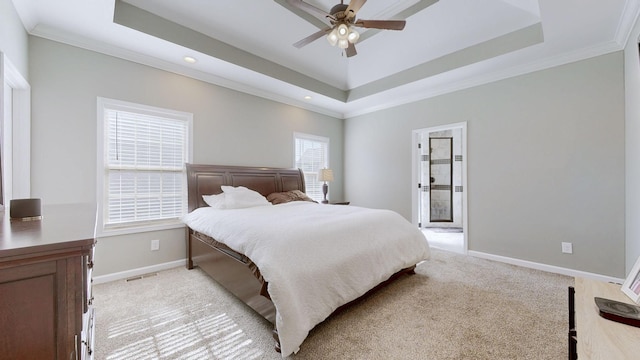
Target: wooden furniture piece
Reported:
point(597, 337)
point(572, 338)
point(45, 284)
point(234, 271)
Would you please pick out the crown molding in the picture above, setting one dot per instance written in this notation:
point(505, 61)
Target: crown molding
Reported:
point(627, 22)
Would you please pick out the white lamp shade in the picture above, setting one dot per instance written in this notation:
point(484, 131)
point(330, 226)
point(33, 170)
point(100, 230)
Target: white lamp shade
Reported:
point(332, 38)
point(353, 36)
point(343, 31)
point(343, 43)
point(325, 175)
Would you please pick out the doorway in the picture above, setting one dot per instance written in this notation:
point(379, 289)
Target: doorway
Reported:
point(15, 133)
point(440, 174)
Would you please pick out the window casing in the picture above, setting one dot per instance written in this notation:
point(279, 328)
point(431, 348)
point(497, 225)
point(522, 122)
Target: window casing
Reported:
point(142, 152)
point(311, 153)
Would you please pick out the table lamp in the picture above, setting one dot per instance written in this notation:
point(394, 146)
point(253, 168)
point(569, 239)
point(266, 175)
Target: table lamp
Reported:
point(325, 175)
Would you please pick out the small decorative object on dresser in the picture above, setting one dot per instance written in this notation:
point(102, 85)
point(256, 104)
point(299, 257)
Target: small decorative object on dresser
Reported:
point(631, 286)
point(25, 209)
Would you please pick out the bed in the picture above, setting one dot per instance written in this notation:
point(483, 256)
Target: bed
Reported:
point(253, 251)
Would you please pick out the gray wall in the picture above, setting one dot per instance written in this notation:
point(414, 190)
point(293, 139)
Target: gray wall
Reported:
point(632, 143)
point(229, 128)
point(13, 37)
point(545, 162)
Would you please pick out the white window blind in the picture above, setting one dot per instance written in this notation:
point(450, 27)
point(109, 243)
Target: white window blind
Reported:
point(144, 155)
point(311, 155)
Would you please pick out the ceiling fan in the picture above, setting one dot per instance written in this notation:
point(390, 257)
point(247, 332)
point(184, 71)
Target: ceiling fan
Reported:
point(342, 19)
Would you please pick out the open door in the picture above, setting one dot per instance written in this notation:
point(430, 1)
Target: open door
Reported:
point(439, 197)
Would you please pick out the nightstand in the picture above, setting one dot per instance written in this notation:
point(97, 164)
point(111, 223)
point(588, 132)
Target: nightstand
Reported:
point(597, 337)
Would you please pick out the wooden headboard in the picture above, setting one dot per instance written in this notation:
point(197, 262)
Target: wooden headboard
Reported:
point(207, 180)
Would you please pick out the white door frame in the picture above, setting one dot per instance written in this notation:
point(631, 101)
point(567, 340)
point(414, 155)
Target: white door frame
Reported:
point(415, 176)
point(15, 119)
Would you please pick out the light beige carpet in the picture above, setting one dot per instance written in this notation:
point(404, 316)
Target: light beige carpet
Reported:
point(455, 307)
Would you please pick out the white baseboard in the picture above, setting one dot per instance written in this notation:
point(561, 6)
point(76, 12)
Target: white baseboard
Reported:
point(524, 263)
point(545, 267)
point(137, 272)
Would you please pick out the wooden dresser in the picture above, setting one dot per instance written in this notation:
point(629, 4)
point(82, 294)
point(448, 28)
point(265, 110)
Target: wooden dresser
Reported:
point(599, 338)
point(45, 284)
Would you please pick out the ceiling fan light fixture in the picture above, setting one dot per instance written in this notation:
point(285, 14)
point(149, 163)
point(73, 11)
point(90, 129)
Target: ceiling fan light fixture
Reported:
point(342, 19)
point(343, 31)
point(353, 36)
point(332, 38)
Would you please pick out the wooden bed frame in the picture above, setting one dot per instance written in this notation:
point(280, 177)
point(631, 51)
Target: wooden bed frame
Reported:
point(232, 270)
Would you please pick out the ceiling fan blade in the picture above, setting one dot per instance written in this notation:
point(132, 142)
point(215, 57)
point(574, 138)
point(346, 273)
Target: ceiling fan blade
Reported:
point(381, 24)
point(354, 6)
point(310, 9)
point(311, 38)
point(351, 50)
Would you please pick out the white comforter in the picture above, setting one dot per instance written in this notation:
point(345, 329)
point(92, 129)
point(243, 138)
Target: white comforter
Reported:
point(315, 257)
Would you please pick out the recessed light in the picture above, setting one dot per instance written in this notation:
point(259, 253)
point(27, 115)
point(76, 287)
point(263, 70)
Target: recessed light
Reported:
point(307, 97)
point(190, 59)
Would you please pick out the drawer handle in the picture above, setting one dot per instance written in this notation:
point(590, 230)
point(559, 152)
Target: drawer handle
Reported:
point(74, 353)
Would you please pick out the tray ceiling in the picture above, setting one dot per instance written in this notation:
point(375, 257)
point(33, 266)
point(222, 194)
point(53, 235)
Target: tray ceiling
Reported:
point(247, 44)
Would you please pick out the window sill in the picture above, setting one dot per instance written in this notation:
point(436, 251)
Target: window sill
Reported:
point(133, 229)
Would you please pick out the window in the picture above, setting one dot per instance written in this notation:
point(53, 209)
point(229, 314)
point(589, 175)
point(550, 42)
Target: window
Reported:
point(141, 155)
point(311, 154)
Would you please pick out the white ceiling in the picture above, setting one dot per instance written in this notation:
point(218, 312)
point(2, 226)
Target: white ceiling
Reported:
point(247, 44)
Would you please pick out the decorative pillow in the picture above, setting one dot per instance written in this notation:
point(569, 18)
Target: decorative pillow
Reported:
point(288, 196)
point(241, 197)
point(215, 201)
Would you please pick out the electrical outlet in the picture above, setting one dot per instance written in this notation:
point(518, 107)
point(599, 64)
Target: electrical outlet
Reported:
point(567, 248)
point(155, 245)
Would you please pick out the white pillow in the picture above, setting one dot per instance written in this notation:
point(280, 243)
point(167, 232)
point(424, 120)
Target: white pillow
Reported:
point(215, 201)
point(241, 197)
